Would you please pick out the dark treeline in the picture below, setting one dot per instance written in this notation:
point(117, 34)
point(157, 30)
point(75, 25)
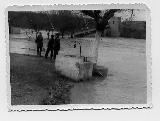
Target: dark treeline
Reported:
point(63, 21)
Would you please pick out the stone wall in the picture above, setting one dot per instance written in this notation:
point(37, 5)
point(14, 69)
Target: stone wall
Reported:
point(74, 67)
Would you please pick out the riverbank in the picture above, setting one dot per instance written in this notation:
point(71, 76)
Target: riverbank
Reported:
point(34, 81)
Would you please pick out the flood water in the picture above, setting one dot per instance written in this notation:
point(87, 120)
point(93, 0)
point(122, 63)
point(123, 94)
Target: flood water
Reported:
point(127, 75)
point(23, 46)
point(125, 60)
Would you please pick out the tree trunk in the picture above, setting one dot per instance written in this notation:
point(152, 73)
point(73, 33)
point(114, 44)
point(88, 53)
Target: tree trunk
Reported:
point(97, 40)
point(94, 53)
point(95, 45)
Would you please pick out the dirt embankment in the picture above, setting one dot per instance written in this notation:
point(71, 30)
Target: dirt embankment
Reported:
point(34, 81)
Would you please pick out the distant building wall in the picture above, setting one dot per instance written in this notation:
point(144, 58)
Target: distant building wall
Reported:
point(129, 29)
point(133, 29)
point(114, 24)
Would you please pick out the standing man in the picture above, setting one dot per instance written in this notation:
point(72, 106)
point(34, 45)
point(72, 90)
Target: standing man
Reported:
point(50, 47)
point(56, 46)
point(48, 34)
point(39, 42)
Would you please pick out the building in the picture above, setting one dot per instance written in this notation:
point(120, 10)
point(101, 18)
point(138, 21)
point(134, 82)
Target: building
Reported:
point(114, 24)
point(129, 29)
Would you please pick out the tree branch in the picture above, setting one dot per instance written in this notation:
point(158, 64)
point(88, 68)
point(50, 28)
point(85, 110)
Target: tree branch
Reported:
point(109, 14)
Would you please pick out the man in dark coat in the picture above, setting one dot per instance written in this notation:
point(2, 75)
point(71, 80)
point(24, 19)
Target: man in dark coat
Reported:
point(48, 34)
point(39, 42)
point(56, 46)
point(50, 47)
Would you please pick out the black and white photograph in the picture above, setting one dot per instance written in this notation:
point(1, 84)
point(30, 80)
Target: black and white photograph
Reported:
point(78, 56)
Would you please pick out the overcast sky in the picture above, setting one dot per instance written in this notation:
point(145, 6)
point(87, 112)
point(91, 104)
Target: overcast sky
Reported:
point(139, 15)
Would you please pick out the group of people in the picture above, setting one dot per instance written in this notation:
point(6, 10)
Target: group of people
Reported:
point(53, 45)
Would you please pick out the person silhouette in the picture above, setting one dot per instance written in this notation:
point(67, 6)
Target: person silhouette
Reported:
point(39, 42)
point(56, 45)
point(50, 47)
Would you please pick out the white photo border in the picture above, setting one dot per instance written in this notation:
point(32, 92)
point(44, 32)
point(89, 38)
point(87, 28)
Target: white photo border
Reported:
point(70, 107)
